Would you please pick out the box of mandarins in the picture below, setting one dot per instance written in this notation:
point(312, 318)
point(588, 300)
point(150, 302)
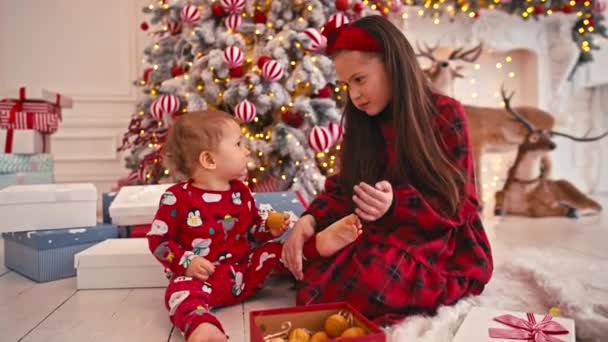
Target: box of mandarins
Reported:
point(315, 323)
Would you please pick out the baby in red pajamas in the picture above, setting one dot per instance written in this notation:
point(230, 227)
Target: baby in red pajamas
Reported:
point(203, 227)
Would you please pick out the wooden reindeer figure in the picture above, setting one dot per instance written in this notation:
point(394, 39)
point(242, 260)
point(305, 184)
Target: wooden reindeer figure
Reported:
point(491, 129)
point(442, 72)
point(528, 190)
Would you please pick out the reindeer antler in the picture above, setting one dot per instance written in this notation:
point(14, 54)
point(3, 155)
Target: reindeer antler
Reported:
point(427, 51)
point(583, 139)
point(518, 117)
point(467, 55)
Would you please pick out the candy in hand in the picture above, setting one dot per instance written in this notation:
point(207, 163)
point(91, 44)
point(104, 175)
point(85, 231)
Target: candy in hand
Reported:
point(277, 223)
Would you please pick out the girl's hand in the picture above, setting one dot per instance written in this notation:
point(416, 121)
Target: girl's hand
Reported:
point(303, 230)
point(373, 202)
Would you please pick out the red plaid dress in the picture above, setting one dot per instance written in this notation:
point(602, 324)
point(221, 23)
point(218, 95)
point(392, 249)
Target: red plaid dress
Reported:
point(413, 259)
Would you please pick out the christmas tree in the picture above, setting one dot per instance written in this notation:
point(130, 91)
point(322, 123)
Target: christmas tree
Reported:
point(263, 61)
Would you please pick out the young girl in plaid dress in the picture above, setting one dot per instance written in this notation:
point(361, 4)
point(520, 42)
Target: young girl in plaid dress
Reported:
point(396, 232)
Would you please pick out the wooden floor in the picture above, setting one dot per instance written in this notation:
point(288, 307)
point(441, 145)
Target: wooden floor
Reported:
point(55, 311)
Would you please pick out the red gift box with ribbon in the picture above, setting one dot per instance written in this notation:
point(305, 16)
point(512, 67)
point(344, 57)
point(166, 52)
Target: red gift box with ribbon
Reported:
point(493, 325)
point(39, 116)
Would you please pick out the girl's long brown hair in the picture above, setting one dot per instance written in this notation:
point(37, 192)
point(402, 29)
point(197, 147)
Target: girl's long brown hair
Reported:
point(419, 158)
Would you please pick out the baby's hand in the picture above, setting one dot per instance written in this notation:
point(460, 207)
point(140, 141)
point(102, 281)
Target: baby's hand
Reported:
point(277, 223)
point(200, 268)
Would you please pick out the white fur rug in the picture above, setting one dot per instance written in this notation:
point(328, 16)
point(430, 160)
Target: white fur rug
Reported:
point(531, 280)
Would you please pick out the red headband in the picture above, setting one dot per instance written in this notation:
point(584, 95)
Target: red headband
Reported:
point(349, 37)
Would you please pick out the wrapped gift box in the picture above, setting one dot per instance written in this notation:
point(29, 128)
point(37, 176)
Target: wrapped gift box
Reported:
point(46, 255)
point(286, 201)
point(118, 263)
point(14, 163)
point(47, 206)
point(27, 121)
point(40, 95)
point(138, 230)
point(481, 323)
point(279, 322)
point(22, 178)
point(24, 141)
point(135, 205)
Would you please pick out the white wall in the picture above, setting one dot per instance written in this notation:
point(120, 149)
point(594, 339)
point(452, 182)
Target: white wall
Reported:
point(90, 50)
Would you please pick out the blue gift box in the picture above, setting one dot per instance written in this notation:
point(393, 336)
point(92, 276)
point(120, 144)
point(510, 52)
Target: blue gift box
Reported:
point(280, 201)
point(45, 255)
point(106, 200)
point(21, 178)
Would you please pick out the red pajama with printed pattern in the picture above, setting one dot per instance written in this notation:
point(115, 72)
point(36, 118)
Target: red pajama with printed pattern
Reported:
point(413, 259)
point(219, 226)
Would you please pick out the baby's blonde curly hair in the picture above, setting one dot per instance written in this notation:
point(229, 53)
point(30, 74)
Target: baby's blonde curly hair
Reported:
point(191, 134)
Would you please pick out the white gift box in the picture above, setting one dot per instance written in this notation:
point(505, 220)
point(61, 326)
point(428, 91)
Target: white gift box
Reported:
point(25, 141)
point(41, 94)
point(47, 206)
point(476, 325)
point(119, 263)
point(136, 204)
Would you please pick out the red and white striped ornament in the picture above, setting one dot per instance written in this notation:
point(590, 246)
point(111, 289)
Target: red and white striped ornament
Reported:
point(174, 27)
point(340, 18)
point(156, 111)
point(233, 6)
point(317, 40)
point(233, 22)
point(319, 138)
point(245, 111)
point(190, 14)
point(336, 132)
point(169, 103)
point(164, 104)
point(272, 70)
point(233, 57)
